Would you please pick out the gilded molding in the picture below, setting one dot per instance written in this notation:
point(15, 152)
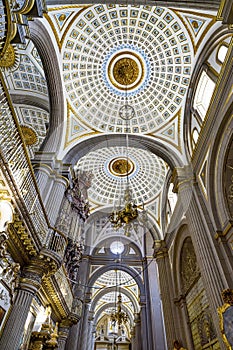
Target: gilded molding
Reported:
point(55, 299)
point(221, 310)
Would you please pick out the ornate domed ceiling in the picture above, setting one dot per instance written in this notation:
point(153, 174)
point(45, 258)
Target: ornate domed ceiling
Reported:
point(111, 48)
point(109, 166)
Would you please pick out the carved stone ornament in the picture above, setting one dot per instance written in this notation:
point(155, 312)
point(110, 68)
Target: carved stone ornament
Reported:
point(77, 193)
point(227, 296)
point(228, 179)
point(73, 254)
point(189, 267)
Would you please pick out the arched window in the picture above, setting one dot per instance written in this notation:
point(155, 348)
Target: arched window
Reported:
point(203, 95)
point(221, 53)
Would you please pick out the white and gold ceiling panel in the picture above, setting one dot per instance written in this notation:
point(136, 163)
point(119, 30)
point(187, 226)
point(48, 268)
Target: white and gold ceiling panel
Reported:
point(109, 166)
point(107, 49)
point(197, 25)
point(34, 122)
point(28, 76)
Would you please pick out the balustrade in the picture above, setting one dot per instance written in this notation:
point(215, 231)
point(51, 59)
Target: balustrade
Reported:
point(16, 167)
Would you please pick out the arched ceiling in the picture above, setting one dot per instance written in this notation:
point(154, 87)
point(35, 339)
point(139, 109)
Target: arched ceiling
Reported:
point(109, 166)
point(109, 53)
point(107, 288)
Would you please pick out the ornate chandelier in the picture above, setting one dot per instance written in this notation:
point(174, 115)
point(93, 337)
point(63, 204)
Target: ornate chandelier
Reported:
point(124, 216)
point(118, 316)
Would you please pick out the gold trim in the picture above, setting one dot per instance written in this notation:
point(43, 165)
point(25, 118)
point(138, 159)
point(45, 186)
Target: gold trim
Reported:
point(27, 6)
point(66, 7)
point(121, 166)
point(67, 142)
point(126, 84)
point(195, 46)
point(9, 36)
point(220, 10)
point(51, 23)
point(154, 134)
point(221, 311)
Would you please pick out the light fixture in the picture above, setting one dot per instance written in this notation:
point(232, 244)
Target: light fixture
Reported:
point(124, 216)
point(118, 316)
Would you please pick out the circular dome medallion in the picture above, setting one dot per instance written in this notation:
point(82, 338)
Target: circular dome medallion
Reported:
point(29, 135)
point(125, 70)
point(121, 166)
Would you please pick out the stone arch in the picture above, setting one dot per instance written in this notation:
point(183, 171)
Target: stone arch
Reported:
point(113, 289)
point(218, 172)
point(136, 141)
point(44, 45)
point(210, 44)
point(133, 273)
point(124, 240)
point(104, 307)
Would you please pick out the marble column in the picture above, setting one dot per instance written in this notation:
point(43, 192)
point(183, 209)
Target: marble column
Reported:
point(44, 180)
point(29, 284)
point(200, 230)
point(166, 290)
point(185, 327)
point(157, 323)
point(144, 323)
point(62, 337)
point(72, 340)
point(90, 329)
point(55, 198)
point(132, 337)
point(138, 336)
point(79, 292)
point(83, 344)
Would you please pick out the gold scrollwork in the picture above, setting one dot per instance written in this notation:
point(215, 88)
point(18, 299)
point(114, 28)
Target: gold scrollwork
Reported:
point(8, 59)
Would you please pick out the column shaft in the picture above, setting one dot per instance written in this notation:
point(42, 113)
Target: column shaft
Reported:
point(72, 341)
point(84, 331)
point(200, 229)
point(55, 199)
point(166, 290)
point(138, 336)
point(14, 327)
point(158, 332)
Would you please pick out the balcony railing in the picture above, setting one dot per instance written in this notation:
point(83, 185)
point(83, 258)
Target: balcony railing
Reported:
point(17, 169)
point(4, 26)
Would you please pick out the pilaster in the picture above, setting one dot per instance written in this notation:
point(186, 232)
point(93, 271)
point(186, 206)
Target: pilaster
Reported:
point(181, 303)
point(199, 226)
point(166, 290)
point(137, 329)
point(64, 329)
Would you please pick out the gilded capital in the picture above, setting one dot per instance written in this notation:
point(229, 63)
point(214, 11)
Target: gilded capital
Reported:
point(160, 249)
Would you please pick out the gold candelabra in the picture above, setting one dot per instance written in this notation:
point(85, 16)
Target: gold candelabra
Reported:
point(119, 316)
